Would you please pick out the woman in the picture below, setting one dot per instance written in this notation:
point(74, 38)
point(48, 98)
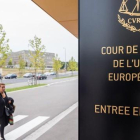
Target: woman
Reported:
point(3, 102)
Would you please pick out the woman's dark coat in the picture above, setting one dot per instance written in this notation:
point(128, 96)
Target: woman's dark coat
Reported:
point(3, 103)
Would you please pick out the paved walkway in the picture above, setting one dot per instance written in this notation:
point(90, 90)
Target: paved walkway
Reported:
point(66, 129)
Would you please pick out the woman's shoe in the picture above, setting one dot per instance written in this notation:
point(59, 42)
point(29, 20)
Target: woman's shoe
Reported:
point(3, 139)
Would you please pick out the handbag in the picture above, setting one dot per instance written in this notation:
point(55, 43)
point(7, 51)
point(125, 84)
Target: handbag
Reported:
point(11, 120)
point(7, 111)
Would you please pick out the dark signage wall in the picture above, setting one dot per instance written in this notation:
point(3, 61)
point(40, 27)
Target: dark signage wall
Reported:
point(109, 84)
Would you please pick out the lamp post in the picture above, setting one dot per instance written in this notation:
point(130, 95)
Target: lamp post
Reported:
point(65, 59)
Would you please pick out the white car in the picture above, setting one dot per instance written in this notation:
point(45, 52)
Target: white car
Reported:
point(47, 73)
point(28, 75)
point(53, 73)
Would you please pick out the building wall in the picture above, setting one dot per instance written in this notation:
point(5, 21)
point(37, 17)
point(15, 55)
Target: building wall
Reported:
point(25, 53)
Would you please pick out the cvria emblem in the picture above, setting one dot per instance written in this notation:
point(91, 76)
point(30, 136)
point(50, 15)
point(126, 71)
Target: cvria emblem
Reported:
point(129, 15)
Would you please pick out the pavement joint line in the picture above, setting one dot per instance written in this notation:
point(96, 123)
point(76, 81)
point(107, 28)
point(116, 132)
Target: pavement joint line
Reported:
point(42, 86)
point(62, 81)
point(23, 129)
point(43, 129)
point(19, 118)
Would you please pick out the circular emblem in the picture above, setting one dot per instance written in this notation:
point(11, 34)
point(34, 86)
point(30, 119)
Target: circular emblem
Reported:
point(129, 15)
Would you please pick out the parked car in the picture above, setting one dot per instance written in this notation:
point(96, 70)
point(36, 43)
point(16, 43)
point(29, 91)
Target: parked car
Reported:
point(53, 73)
point(11, 76)
point(41, 76)
point(35, 74)
point(47, 73)
point(28, 75)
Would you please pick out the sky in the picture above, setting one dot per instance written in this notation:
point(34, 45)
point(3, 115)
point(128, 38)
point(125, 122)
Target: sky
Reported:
point(23, 19)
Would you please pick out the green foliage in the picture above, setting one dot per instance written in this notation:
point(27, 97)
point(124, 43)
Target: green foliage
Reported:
point(21, 63)
point(26, 64)
point(38, 51)
point(4, 47)
point(65, 77)
point(24, 87)
point(42, 64)
point(72, 65)
point(56, 64)
point(36, 54)
point(31, 65)
point(63, 65)
point(10, 62)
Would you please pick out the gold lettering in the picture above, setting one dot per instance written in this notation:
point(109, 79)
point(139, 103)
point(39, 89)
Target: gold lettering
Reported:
point(138, 78)
point(134, 75)
point(121, 63)
point(129, 49)
point(103, 109)
point(128, 77)
point(129, 20)
point(138, 20)
point(109, 107)
point(127, 110)
point(135, 111)
point(97, 108)
point(112, 50)
point(103, 48)
point(121, 50)
point(110, 76)
point(114, 110)
point(118, 110)
point(128, 66)
point(121, 108)
point(135, 48)
point(115, 63)
point(122, 76)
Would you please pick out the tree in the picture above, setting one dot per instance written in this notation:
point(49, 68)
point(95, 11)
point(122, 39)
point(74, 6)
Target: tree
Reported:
point(37, 54)
point(63, 65)
point(4, 47)
point(72, 65)
point(10, 62)
point(26, 64)
point(21, 64)
point(56, 64)
point(42, 65)
point(30, 65)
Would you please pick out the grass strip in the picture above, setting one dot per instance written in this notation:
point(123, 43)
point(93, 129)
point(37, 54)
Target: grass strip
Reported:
point(65, 77)
point(24, 87)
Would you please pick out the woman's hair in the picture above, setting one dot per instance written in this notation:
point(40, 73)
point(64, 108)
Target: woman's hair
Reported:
point(1, 84)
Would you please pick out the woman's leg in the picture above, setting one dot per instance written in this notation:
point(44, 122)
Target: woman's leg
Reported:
point(3, 122)
point(2, 126)
point(2, 130)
